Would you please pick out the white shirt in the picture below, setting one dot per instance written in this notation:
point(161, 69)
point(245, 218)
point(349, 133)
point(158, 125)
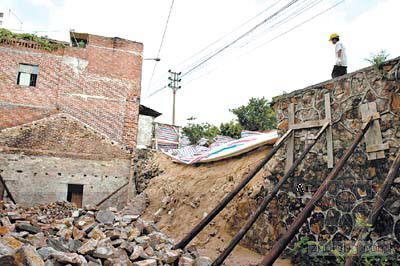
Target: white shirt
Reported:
point(340, 61)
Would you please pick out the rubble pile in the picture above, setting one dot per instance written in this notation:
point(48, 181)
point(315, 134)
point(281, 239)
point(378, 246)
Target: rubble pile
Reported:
point(59, 234)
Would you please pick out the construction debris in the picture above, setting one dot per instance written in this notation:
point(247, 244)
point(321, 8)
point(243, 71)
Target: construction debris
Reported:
point(60, 234)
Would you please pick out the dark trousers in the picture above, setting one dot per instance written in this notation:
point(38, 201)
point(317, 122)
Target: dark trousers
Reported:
point(339, 71)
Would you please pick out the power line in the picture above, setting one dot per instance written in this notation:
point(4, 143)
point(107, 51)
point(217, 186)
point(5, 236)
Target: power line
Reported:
point(162, 42)
point(306, 6)
point(278, 36)
point(300, 24)
point(291, 16)
point(155, 92)
point(301, 10)
point(229, 33)
point(219, 50)
point(285, 20)
point(239, 38)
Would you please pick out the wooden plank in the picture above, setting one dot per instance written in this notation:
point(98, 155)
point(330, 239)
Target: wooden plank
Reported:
point(329, 137)
point(132, 168)
point(112, 194)
point(374, 135)
point(378, 147)
point(308, 124)
point(290, 143)
point(283, 137)
point(7, 190)
point(156, 135)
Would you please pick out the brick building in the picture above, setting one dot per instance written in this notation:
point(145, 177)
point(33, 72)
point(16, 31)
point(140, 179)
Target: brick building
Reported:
point(98, 84)
point(68, 117)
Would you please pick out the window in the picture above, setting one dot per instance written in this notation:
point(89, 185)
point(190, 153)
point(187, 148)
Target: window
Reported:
point(27, 75)
point(79, 40)
point(75, 194)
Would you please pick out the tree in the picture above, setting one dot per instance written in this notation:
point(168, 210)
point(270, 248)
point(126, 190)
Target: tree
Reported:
point(231, 129)
point(256, 115)
point(195, 131)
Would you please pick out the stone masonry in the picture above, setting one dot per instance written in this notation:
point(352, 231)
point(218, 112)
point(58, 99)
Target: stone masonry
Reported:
point(350, 197)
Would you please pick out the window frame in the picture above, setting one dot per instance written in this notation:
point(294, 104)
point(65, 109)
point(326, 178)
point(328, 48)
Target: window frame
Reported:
point(32, 78)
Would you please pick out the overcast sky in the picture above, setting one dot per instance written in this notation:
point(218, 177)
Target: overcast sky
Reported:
point(253, 67)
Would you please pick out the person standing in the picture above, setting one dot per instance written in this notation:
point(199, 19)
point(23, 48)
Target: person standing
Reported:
point(340, 67)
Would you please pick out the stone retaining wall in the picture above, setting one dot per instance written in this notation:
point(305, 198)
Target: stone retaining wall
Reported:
point(350, 197)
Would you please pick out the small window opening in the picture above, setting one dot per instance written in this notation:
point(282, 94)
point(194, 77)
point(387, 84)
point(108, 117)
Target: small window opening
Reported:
point(27, 75)
point(75, 194)
point(80, 40)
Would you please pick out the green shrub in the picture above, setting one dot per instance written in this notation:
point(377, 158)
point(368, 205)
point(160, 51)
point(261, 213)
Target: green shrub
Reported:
point(231, 129)
point(45, 44)
point(378, 59)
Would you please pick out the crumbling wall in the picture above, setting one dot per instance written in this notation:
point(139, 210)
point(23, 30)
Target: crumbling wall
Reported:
point(38, 160)
point(351, 195)
point(42, 179)
point(99, 85)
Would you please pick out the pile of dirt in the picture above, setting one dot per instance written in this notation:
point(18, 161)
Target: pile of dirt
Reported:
point(60, 234)
point(183, 194)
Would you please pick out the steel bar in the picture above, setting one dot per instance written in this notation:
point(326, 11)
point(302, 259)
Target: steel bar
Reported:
point(228, 198)
point(376, 209)
point(253, 218)
point(282, 243)
point(7, 190)
point(132, 171)
point(112, 194)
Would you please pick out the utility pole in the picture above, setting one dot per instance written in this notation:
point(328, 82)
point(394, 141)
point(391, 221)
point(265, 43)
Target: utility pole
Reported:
point(174, 81)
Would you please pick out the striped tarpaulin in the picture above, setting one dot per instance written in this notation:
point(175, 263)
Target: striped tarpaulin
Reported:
point(167, 136)
point(247, 133)
point(219, 140)
point(200, 154)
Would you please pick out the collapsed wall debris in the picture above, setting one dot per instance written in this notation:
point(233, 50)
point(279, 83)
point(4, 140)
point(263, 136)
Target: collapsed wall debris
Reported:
point(60, 234)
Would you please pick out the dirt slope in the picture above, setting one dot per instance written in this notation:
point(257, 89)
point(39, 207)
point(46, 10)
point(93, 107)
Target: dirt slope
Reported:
point(182, 195)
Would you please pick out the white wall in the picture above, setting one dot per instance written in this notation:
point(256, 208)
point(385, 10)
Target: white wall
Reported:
point(145, 131)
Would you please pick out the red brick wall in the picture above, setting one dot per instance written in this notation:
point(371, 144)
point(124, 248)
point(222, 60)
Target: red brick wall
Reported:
point(99, 85)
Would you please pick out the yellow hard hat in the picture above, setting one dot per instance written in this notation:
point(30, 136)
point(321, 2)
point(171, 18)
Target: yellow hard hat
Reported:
point(333, 36)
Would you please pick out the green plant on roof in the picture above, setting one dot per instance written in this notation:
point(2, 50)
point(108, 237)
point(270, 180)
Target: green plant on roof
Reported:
point(44, 43)
point(378, 59)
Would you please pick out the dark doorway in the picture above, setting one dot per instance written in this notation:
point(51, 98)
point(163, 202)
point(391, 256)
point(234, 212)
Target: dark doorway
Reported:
point(75, 194)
